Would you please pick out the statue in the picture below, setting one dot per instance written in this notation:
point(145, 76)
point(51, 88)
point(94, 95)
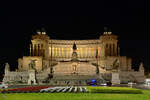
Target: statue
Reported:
point(32, 64)
point(7, 68)
point(141, 68)
point(74, 67)
point(74, 54)
point(74, 47)
point(115, 64)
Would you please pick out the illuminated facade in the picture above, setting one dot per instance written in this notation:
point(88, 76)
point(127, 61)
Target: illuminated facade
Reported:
point(95, 59)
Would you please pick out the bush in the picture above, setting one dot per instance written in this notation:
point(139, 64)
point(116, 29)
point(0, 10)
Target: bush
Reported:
point(114, 90)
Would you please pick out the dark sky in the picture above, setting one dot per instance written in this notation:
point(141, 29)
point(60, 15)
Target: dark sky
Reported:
point(129, 20)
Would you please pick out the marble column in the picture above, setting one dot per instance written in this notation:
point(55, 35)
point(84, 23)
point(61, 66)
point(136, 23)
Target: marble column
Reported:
point(115, 50)
point(66, 52)
point(33, 49)
point(81, 53)
point(78, 49)
point(30, 50)
point(70, 52)
point(99, 51)
point(111, 49)
point(39, 49)
point(58, 52)
point(49, 51)
point(36, 50)
point(52, 51)
point(56, 49)
point(62, 52)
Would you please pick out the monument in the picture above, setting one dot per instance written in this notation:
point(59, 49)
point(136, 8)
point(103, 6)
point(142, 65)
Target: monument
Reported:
point(77, 62)
point(32, 75)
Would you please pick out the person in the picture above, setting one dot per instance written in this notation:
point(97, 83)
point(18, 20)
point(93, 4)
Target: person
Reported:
point(31, 82)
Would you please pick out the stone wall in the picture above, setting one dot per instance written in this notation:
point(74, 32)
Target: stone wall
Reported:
point(16, 77)
point(67, 68)
point(132, 76)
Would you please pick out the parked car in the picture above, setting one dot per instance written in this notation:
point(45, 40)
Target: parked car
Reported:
point(92, 82)
point(3, 85)
point(103, 84)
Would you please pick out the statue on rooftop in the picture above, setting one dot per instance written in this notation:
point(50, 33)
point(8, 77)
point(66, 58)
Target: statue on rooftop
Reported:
point(7, 68)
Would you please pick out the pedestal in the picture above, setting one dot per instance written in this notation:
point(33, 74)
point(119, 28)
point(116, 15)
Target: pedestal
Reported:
point(115, 78)
point(32, 79)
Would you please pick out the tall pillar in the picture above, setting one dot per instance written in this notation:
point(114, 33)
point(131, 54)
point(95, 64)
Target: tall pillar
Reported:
point(30, 50)
point(89, 52)
point(36, 49)
point(49, 51)
point(81, 55)
point(115, 50)
point(53, 52)
point(78, 52)
point(56, 52)
point(112, 49)
point(70, 52)
point(118, 51)
point(84, 53)
point(39, 49)
point(109, 49)
point(65, 52)
point(92, 52)
point(42, 50)
point(61, 52)
point(33, 49)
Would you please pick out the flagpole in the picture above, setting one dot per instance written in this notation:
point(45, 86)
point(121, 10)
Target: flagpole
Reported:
point(51, 56)
point(97, 58)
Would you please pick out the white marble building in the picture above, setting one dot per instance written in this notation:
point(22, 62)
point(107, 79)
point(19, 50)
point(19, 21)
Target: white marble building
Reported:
point(95, 59)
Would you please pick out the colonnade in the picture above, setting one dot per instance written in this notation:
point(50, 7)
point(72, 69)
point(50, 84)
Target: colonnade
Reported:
point(111, 50)
point(66, 52)
point(37, 50)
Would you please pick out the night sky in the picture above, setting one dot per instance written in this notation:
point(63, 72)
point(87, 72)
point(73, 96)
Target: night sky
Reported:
point(130, 21)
